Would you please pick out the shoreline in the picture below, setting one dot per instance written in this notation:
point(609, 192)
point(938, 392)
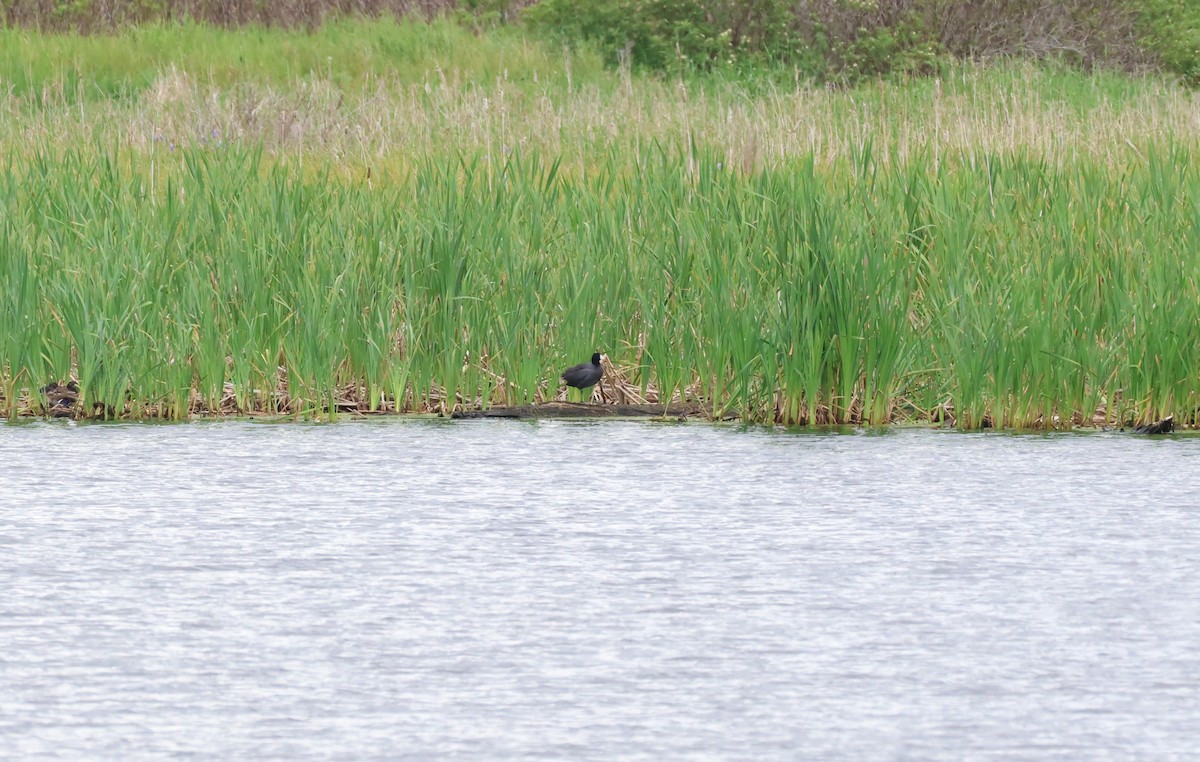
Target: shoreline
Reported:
point(61, 402)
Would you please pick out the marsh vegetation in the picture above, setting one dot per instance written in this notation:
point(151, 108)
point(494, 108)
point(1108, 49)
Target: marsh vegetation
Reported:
point(410, 217)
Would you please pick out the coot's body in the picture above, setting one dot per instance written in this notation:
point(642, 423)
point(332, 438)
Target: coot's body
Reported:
point(1165, 426)
point(585, 374)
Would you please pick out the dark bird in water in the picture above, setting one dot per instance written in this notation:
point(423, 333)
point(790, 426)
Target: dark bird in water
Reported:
point(1165, 426)
point(585, 374)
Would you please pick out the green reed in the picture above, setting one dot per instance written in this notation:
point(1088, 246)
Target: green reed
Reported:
point(1017, 290)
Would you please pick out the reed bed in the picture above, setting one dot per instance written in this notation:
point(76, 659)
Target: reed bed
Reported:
point(1003, 247)
point(992, 289)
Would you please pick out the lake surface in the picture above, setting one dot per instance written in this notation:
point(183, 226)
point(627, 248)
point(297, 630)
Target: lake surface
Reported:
point(574, 590)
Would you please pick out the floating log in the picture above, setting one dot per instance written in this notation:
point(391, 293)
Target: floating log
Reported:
point(584, 410)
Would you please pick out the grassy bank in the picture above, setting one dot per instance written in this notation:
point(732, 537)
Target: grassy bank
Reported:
point(1016, 246)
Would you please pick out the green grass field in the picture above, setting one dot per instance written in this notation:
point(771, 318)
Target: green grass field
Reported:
point(411, 217)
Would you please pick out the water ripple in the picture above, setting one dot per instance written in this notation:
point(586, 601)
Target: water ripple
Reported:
point(578, 590)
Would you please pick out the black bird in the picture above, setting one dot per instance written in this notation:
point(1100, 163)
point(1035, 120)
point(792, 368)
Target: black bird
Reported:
point(1165, 426)
point(585, 374)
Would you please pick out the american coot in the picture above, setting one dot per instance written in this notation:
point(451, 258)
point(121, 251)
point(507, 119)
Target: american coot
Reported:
point(1165, 426)
point(585, 374)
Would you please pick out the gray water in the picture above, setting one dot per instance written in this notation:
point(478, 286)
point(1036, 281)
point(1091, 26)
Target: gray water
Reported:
point(492, 590)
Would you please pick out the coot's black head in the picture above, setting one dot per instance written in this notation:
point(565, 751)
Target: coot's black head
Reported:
point(596, 358)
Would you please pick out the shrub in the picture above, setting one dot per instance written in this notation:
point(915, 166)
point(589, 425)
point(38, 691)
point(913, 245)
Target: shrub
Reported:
point(849, 39)
point(1170, 31)
point(840, 39)
point(656, 34)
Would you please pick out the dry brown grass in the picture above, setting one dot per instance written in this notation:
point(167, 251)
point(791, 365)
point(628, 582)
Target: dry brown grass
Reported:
point(389, 124)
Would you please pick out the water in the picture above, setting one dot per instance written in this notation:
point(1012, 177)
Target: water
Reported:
point(493, 590)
